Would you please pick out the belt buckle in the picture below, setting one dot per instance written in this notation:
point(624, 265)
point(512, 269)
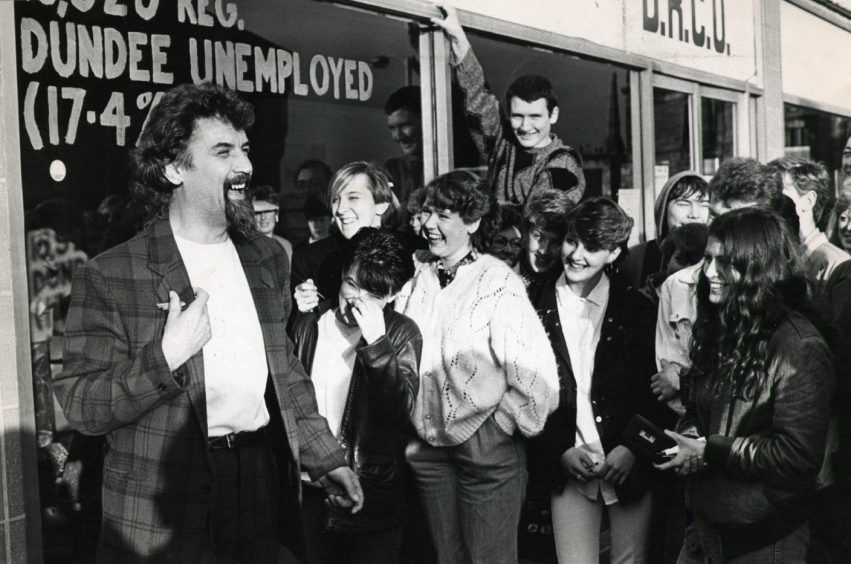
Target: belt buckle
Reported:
point(230, 440)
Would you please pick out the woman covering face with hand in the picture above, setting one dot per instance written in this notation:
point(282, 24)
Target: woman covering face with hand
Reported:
point(759, 397)
point(359, 196)
point(602, 333)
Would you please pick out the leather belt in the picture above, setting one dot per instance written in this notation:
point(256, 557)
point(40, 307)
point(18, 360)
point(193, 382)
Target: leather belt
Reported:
point(237, 440)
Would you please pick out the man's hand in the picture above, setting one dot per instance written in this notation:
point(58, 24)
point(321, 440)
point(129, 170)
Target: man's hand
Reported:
point(454, 32)
point(617, 466)
point(186, 332)
point(370, 318)
point(666, 383)
point(306, 296)
point(578, 464)
point(343, 488)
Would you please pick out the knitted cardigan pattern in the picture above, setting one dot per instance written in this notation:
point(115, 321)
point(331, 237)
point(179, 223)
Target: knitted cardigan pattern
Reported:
point(485, 352)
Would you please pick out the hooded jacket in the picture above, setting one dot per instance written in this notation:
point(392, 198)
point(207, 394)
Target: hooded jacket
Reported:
point(646, 258)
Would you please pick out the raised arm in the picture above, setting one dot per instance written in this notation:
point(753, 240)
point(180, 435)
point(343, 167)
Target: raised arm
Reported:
point(481, 106)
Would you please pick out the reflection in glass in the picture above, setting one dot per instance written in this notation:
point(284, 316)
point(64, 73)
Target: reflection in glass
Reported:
point(672, 131)
point(816, 135)
point(718, 133)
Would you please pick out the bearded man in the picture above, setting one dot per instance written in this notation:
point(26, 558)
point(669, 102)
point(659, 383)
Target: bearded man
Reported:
point(175, 349)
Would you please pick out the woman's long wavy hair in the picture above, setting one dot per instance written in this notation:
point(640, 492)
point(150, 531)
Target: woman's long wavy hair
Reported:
point(765, 282)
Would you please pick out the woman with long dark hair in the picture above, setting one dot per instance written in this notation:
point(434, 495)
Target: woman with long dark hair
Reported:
point(759, 397)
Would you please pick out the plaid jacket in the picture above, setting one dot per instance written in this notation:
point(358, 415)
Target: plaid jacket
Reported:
point(156, 486)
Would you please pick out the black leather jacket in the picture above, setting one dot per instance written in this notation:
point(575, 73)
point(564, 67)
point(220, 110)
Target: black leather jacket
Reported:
point(375, 427)
point(763, 454)
point(624, 362)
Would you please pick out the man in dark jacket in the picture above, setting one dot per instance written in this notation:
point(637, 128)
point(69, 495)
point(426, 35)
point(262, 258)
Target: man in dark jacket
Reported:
point(363, 359)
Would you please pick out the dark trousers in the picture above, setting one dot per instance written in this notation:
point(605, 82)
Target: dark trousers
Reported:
point(331, 547)
point(245, 506)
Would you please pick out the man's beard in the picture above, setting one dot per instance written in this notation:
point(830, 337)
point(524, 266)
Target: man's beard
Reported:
point(240, 216)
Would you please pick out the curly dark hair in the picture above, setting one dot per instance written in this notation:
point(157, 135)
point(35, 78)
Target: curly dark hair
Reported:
point(547, 210)
point(467, 194)
point(599, 223)
point(168, 131)
point(746, 180)
point(383, 262)
point(765, 281)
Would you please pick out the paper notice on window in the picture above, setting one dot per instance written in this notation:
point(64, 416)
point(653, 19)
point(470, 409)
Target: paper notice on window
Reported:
point(661, 173)
point(630, 201)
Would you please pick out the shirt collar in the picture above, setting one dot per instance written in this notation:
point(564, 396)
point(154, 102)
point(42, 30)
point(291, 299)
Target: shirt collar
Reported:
point(597, 296)
point(447, 275)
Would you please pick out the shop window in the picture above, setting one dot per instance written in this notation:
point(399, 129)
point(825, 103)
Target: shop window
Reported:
point(89, 72)
point(672, 132)
point(594, 108)
point(718, 126)
point(818, 135)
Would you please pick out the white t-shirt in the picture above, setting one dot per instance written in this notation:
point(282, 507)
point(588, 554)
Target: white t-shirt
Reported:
point(235, 369)
point(333, 363)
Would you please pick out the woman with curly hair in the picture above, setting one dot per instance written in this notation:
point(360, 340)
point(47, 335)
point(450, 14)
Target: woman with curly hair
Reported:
point(759, 397)
point(487, 377)
point(602, 332)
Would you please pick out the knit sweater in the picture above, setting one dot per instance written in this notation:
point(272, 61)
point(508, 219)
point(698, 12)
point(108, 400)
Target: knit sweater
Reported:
point(514, 172)
point(485, 352)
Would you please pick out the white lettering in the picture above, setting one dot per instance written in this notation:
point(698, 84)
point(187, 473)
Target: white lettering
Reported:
point(320, 88)
point(364, 81)
point(225, 65)
point(32, 60)
point(336, 72)
point(264, 69)
point(193, 61)
point(90, 47)
point(204, 18)
point(113, 8)
point(285, 69)
point(115, 53)
point(149, 11)
point(243, 84)
point(137, 39)
point(185, 11)
point(63, 68)
point(159, 58)
point(299, 88)
point(232, 15)
point(351, 92)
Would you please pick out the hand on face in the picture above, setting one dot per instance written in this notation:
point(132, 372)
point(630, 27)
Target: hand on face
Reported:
point(369, 316)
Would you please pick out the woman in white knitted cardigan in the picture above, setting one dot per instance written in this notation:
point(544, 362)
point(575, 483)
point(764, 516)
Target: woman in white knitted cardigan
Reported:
point(487, 378)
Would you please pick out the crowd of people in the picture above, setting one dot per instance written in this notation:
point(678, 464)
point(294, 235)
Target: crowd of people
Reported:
point(475, 369)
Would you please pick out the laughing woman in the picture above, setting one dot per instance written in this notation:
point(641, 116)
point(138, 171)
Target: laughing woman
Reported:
point(759, 399)
point(487, 377)
point(602, 332)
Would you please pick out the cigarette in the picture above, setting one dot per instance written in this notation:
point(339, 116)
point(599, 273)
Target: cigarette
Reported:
point(164, 306)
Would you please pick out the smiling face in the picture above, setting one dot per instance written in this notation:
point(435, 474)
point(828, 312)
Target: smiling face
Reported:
point(354, 207)
point(507, 245)
point(213, 174)
point(583, 266)
point(844, 228)
point(693, 209)
point(350, 293)
point(406, 130)
point(448, 236)
point(543, 249)
point(531, 122)
point(718, 274)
